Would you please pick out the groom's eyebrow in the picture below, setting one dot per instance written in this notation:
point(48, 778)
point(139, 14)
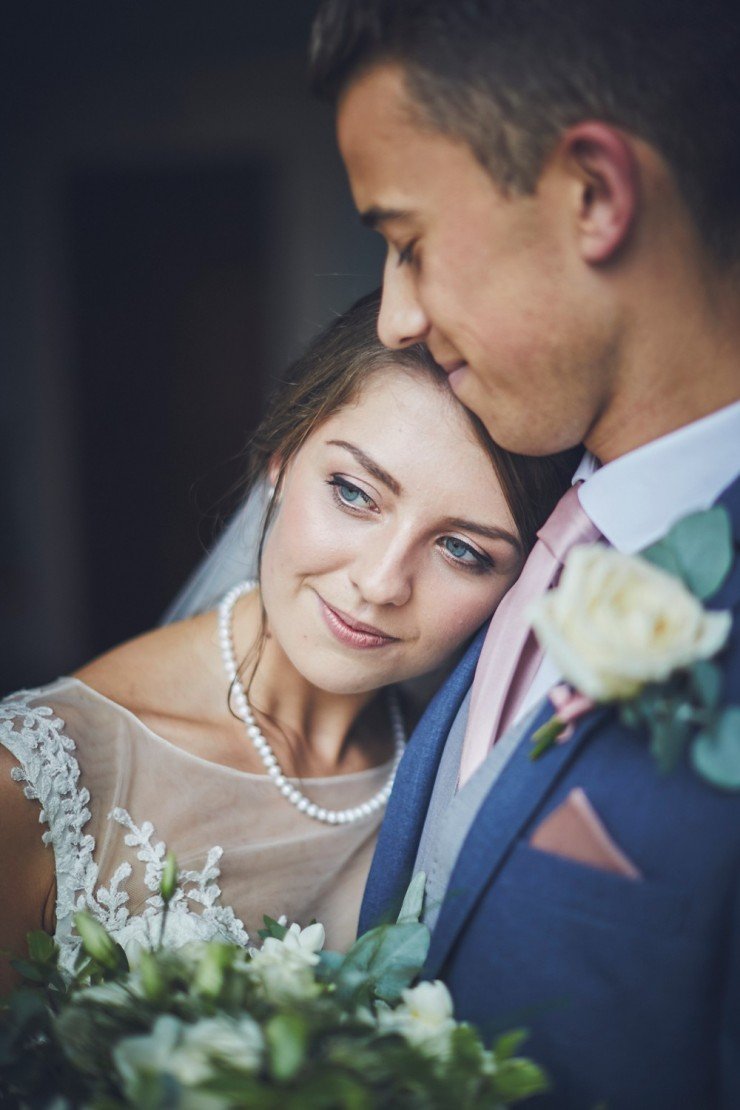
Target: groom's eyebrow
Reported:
point(374, 216)
point(369, 464)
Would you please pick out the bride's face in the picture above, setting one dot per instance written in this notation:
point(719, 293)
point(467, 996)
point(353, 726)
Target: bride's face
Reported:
point(392, 541)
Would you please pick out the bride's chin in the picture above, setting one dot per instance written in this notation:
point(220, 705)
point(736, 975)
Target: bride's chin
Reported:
point(331, 679)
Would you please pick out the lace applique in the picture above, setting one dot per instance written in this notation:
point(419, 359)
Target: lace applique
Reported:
point(35, 736)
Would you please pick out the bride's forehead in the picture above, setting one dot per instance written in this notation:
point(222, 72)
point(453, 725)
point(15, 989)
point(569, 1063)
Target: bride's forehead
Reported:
point(398, 400)
point(410, 422)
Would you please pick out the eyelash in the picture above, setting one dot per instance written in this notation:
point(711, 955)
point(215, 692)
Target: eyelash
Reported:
point(406, 254)
point(338, 483)
point(483, 563)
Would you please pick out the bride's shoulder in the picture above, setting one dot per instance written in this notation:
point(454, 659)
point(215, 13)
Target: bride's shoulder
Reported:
point(161, 672)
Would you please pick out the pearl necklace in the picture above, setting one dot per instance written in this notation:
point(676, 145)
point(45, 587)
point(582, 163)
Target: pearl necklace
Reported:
point(265, 752)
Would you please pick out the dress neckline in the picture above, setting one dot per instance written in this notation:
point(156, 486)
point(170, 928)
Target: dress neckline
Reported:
point(352, 776)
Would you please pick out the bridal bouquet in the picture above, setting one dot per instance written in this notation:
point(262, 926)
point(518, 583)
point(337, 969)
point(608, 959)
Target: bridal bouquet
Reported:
point(286, 1025)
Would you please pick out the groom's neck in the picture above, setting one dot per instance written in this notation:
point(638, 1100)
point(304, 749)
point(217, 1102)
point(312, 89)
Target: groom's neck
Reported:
point(680, 356)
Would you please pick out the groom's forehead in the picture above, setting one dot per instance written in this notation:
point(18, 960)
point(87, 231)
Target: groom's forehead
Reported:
point(392, 158)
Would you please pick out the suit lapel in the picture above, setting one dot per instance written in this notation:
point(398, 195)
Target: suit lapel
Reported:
point(402, 826)
point(506, 810)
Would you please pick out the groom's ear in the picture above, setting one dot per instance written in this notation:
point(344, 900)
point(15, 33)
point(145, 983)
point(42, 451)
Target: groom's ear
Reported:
point(600, 163)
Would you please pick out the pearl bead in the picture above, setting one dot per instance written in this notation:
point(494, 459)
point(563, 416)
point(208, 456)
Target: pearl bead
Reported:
point(262, 746)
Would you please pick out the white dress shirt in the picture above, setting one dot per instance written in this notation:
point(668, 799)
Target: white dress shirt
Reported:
point(636, 499)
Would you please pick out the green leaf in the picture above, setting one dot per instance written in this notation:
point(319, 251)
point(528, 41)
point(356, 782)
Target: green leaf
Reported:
point(329, 964)
point(518, 1078)
point(272, 928)
point(706, 683)
point(661, 554)
point(287, 1038)
point(545, 736)
point(698, 550)
point(41, 946)
point(508, 1043)
point(413, 900)
point(669, 735)
point(384, 961)
point(28, 970)
point(715, 753)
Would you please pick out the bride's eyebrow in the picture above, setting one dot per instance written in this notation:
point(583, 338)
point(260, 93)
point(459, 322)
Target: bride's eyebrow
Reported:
point(369, 464)
point(490, 533)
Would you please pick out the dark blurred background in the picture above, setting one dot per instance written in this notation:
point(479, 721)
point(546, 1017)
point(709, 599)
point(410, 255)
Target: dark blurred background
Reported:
point(175, 225)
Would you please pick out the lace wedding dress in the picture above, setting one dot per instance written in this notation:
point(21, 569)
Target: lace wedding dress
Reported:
point(114, 797)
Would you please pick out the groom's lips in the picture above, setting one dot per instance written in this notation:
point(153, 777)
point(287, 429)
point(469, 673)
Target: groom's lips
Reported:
point(454, 369)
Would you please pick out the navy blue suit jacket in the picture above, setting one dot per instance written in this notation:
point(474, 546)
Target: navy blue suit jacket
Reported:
point(630, 988)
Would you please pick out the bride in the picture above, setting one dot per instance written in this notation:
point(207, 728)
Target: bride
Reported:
point(259, 741)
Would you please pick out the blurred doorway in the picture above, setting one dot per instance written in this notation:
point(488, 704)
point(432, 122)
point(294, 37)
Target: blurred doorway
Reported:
point(169, 311)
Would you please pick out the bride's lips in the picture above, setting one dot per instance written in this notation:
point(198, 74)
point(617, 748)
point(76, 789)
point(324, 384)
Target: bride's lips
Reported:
point(351, 632)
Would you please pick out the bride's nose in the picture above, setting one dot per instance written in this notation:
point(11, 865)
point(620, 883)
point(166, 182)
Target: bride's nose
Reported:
point(382, 573)
point(402, 320)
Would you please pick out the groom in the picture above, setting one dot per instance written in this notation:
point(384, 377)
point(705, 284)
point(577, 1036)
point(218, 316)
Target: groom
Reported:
point(558, 184)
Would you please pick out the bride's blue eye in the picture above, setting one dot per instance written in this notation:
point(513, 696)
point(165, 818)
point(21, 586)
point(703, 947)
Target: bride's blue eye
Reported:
point(348, 494)
point(466, 555)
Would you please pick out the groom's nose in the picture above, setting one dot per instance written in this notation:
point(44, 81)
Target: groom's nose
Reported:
point(402, 320)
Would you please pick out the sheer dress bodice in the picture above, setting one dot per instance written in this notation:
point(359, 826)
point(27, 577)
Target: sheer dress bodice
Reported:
point(115, 797)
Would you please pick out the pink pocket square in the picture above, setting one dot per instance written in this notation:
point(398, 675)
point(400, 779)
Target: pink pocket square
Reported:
point(574, 831)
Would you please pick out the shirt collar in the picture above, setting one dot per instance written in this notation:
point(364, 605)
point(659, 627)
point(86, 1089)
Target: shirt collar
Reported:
point(636, 499)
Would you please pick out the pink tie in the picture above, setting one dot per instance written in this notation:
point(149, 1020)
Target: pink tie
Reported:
point(511, 655)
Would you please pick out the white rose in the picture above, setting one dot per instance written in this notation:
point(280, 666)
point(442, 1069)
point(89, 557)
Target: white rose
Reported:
point(284, 968)
point(189, 1053)
point(616, 622)
point(424, 1018)
point(236, 1042)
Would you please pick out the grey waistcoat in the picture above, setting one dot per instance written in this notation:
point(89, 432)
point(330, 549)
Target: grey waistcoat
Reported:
point(451, 811)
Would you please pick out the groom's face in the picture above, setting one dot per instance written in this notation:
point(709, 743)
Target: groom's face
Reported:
point(491, 283)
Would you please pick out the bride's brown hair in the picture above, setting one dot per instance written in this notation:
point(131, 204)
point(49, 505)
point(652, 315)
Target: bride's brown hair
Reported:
point(331, 373)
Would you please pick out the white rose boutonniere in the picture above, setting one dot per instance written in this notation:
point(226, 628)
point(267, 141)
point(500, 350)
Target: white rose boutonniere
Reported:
point(616, 623)
point(633, 630)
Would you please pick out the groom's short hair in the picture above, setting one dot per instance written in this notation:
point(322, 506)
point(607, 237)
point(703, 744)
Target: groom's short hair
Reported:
point(508, 76)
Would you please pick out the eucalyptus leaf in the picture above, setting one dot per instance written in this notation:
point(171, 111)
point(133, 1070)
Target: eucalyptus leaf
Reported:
point(29, 971)
point(706, 682)
point(715, 753)
point(386, 959)
point(698, 549)
point(662, 554)
point(668, 738)
point(413, 900)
